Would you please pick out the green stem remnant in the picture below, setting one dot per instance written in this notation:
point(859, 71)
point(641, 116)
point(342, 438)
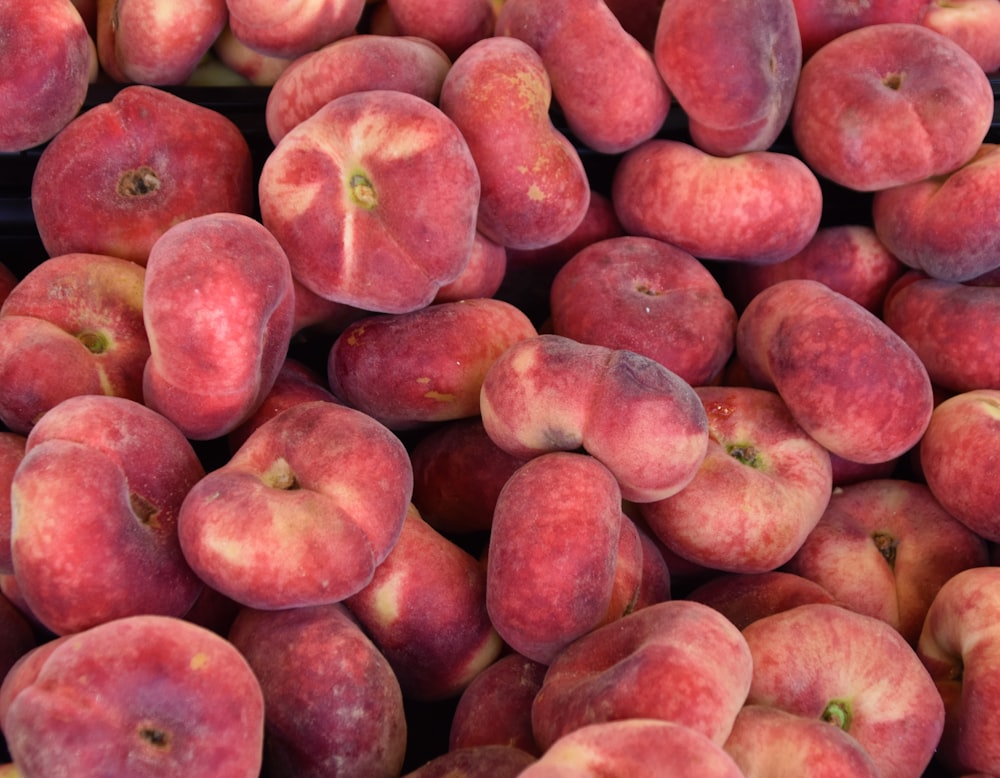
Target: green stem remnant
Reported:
point(362, 191)
point(838, 713)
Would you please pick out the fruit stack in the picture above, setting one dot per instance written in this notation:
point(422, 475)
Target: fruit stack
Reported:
point(499, 388)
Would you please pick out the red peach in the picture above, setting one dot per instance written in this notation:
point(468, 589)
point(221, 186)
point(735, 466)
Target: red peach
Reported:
point(849, 258)
point(972, 24)
point(495, 707)
point(482, 276)
point(338, 193)
point(458, 472)
point(875, 107)
point(427, 365)
point(761, 489)
point(758, 48)
point(453, 25)
point(878, 692)
point(330, 488)
point(820, 21)
point(120, 174)
point(745, 597)
point(218, 307)
point(425, 609)
point(609, 110)
point(953, 327)
point(535, 188)
point(332, 703)
point(638, 748)
point(156, 42)
point(48, 57)
point(824, 353)
point(676, 661)
point(291, 29)
point(884, 547)
point(639, 419)
point(352, 64)
point(140, 696)
point(94, 512)
point(553, 553)
point(760, 206)
point(488, 761)
point(646, 296)
point(957, 459)
point(72, 326)
point(944, 225)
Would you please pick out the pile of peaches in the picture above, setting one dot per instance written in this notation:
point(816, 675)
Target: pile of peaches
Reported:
point(568, 388)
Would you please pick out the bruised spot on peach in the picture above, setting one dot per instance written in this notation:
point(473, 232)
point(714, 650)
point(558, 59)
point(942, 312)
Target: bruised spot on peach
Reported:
point(144, 511)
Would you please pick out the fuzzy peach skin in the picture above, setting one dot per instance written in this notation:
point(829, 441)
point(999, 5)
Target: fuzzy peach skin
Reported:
point(646, 296)
point(847, 378)
point(960, 646)
point(759, 206)
point(676, 661)
point(351, 64)
point(12, 447)
point(554, 552)
point(219, 310)
point(944, 225)
point(119, 175)
point(332, 703)
point(756, 44)
point(338, 193)
point(535, 189)
point(884, 547)
point(73, 325)
point(425, 609)
point(156, 42)
point(330, 488)
point(482, 276)
point(296, 382)
point(48, 57)
point(956, 459)
point(878, 691)
point(745, 597)
point(953, 327)
point(489, 761)
point(140, 696)
point(458, 472)
point(294, 28)
point(607, 109)
point(760, 491)
point(876, 107)
point(453, 25)
point(256, 68)
point(972, 24)
point(638, 748)
point(768, 742)
point(495, 707)
point(94, 514)
point(410, 369)
point(639, 419)
point(820, 21)
point(849, 258)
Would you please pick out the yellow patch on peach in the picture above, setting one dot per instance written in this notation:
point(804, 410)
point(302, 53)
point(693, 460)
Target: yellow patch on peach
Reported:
point(200, 661)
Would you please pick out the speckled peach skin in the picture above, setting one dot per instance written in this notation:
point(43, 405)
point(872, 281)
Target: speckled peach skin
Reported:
point(294, 28)
point(608, 110)
point(535, 189)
